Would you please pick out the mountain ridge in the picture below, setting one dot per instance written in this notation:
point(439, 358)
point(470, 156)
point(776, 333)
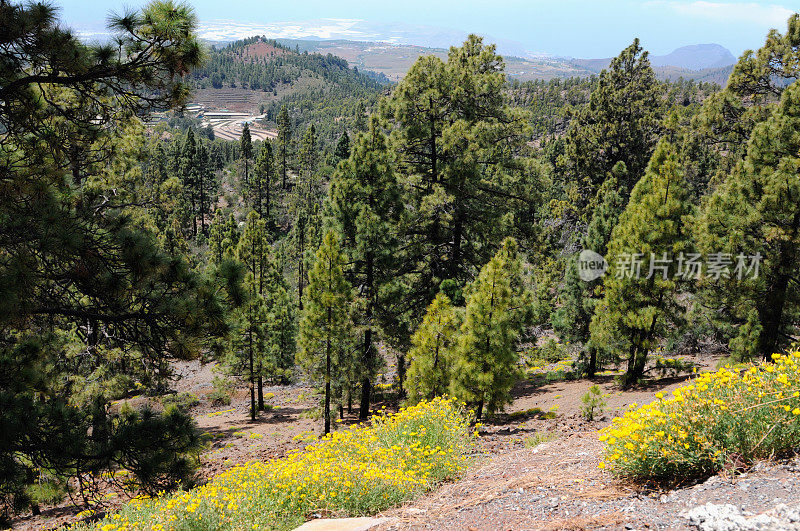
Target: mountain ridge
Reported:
point(394, 60)
point(695, 57)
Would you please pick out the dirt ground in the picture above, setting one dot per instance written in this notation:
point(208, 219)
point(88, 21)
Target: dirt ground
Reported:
point(557, 485)
point(535, 465)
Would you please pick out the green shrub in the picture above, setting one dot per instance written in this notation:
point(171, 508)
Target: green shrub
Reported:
point(47, 491)
point(183, 401)
point(593, 403)
point(672, 367)
point(551, 351)
point(540, 437)
point(223, 391)
point(732, 417)
point(534, 412)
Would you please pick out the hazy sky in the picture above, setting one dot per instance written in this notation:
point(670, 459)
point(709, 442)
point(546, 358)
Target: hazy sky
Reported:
point(586, 28)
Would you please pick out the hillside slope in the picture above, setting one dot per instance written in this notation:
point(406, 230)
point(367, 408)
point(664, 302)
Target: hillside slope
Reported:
point(394, 60)
point(703, 62)
point(255, 77)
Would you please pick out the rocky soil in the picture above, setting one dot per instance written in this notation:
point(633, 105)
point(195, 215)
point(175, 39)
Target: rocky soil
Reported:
point(557, 485)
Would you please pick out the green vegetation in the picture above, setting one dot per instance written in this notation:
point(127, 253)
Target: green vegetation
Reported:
point(324, 326)
point(486, 362)
point(433, 351)
point(593, 403)
point(540, 437)
point(92, 301)
point(637, 308)
point(222, 391)
point(354, 472)
point(432, 228)
point(183, 401)
point(730, 418)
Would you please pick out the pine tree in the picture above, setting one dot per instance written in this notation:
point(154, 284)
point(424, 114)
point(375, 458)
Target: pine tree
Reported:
point(280, 326)
point(717, 137)
point(745, 346)
point(342, 150)
point(246, 146)
point(245, 340)
point(756, 211)
point(607, 207)
point(223, 236)
point(485, 367)
point(92, 301)
point(284, 142)
point(306, 204)
point(457, 140)
point(205, 184)
point(188, 168)
point(619, 124)
point(365, 203)
point(325, 325)
point(253, 251)
point(261, 184)
point(579, 297)
point(308, 156)
point(432, 355)
point(637, 308)
point(360, 123)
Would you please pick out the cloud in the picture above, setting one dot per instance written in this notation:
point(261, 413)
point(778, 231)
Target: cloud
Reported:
point(771, 15)
point(224, 30)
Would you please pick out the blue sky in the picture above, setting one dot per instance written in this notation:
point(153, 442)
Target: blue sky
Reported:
point(586, 28)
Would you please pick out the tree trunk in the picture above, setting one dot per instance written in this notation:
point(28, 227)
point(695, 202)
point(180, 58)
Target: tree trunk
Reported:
point(366, 382)
point(202, 205)
point(638, 368)
point(638, 356)
point(194, 215)
point(300, 271)
point(629, 379)
point(283, 165)
point(366, 391)
point(259, 199)
point(401, 374)
point(479, 413)
point(458, 232)
point(771, 313)
point(260, 391)
point(266, 197)
point(592, 368)
point(327, 411)
point(252, 381)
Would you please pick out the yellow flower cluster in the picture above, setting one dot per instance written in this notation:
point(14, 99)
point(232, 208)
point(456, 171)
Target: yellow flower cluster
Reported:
point(750, 411)
point(357, 471)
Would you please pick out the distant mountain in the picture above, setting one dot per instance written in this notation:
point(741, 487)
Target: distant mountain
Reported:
point(696, 57)
point(394, 60)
